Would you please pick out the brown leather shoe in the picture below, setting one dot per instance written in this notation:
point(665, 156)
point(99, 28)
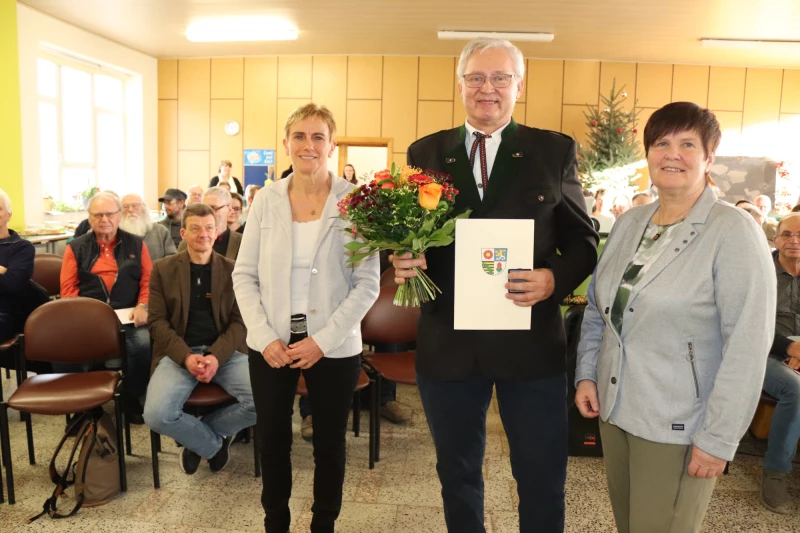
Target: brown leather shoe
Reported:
point(395, 413)
point(307, 429)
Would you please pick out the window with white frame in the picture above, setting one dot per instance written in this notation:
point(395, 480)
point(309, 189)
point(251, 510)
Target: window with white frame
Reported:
point(81, 128)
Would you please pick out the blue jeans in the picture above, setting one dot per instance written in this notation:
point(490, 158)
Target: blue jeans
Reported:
point(170, 387)
point(783, 383)
point(534, 415)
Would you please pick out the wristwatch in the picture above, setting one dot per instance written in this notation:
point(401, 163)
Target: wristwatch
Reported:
point(143, 305)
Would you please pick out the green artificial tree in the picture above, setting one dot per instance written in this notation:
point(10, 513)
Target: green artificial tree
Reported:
point(612, 153)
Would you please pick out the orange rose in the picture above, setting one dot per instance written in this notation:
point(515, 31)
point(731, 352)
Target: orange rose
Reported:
point(429, 195)
point(387, 185)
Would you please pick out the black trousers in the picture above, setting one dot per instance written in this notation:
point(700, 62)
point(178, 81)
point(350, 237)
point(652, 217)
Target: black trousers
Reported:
point(330, 383)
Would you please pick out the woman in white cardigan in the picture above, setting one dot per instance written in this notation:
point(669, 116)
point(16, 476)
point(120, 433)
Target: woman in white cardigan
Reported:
point(302, 303)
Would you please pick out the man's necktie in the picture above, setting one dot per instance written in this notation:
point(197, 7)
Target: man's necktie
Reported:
point(480, 141)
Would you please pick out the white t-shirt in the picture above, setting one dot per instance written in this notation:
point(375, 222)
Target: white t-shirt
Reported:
point(304, 238)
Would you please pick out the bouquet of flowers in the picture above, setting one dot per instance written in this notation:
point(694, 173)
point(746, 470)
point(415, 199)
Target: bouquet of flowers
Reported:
point(404, 209)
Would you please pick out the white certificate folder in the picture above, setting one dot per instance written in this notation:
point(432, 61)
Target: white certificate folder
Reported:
point(485, 250)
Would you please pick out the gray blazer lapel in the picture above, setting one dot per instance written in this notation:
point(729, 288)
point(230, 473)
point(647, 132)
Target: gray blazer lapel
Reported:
point(629, 242)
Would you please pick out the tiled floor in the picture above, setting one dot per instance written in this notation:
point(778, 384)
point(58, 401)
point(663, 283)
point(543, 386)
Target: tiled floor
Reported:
point(400, 496)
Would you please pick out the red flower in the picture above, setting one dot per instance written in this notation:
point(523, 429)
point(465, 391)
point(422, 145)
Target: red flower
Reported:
point(387, 185)
point(420, 179)
point(619, 130)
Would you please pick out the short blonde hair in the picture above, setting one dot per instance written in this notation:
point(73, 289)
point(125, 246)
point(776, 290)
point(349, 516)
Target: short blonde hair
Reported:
point(310, 110)
point(225, 163)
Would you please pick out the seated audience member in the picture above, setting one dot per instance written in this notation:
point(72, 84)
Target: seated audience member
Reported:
point(225, 185)
point(237, 206)
point(195, 194)
point(782, 379)
point(599, 206)
point(224, 178)
point(174, 202)
point(84, 226)
point(250, 193)
point(227, 243)
point(759, 217)
point(113, 266)
point(770, 226)
point(621, 204)
point(136, 220)
point(642, 198)
point(202, 345)
point(350, 174)
point(16, 269)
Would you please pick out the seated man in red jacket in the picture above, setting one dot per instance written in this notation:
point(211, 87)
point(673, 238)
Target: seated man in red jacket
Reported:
point(113, 266)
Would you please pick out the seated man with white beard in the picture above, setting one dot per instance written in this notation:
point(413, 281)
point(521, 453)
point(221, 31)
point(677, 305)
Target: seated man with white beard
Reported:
point(136, 220)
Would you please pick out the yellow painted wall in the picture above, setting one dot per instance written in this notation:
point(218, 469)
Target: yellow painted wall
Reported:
point(407, 97)
point(10, 117)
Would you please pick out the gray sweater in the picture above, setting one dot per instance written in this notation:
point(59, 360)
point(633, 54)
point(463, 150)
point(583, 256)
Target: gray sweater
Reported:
point(689, 364)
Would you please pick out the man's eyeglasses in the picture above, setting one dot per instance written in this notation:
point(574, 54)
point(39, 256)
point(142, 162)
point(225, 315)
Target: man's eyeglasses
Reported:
point(100, 216)
point(789, 236)
point(499, 81)
point(216, 209)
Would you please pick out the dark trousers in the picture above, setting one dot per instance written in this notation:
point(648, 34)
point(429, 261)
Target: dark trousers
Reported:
point(331, 383)
point(388, 394)
point(534, 415)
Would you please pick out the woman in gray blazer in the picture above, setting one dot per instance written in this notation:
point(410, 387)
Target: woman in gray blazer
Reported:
point(676, 334)
point(302, 303)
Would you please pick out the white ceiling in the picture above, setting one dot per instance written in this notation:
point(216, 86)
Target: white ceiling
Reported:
point(612, 30)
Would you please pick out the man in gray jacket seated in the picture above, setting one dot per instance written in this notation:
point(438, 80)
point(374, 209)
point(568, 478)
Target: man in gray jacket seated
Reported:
point(782, 379)
point(136, 220)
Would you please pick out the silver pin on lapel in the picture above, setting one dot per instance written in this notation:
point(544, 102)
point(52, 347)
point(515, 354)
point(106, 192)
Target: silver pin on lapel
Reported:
point(516, 154)
point(449, 159)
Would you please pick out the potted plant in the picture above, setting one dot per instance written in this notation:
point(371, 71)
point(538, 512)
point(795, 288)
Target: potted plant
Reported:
point(85, 195)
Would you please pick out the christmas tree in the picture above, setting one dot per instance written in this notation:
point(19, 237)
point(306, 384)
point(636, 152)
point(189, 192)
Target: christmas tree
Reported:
point(612, 153)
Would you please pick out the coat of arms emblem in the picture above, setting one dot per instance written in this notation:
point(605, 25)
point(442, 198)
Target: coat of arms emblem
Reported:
point(493, 260)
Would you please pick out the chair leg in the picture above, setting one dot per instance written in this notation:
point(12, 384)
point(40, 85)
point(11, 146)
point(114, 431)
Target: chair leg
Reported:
point(356, 413)
point(29, 434)
point(128, 447)
point(377, 407)
point(256, 454)
point(123, 471)
point(373, 398)
point(155, 445)
point(5, 447)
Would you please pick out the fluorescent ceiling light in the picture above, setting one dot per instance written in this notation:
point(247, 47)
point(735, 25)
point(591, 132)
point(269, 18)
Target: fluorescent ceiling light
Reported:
point(745, 44)
point(511, 36)
point(236, 29)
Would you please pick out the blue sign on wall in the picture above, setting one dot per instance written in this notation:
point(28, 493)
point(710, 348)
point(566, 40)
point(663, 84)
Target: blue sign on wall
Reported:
point(259, 167)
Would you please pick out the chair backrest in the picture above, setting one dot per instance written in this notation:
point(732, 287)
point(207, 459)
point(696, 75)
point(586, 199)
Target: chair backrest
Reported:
point(47, 272)
point(387, 323)
point(72, 330)
point(387, 278)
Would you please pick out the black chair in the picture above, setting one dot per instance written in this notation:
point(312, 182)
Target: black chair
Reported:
point(204, 397)
point(387, 324)
point(74, 330)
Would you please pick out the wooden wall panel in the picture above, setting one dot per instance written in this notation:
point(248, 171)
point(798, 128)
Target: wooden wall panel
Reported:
point(762, 96)
point(193, 168)
point(790, 100)
point(726, 88)
point(625, 76)
point(574, 122)
point(194, 103)
point(523, 98)
point(167, 79)
point(167, 144)
point(519, 113)
point(653, 85)
point(224, 146)
point(436, 75)
point(364, 118)
point(433, 116)
point(399, 158)
point(227, 77)
point(260, 121)
point(690, 84)
point(364, 77)
point(459, 111)
point(329, 87)
point(285, 107)
point(294, 77)
point(545, 90)
point(581, 82)
point(399, 110)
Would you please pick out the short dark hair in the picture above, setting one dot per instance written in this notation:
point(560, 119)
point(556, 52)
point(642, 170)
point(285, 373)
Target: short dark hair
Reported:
point(740, 202)
point(237, 196)
point(196, 210)
point(796, 209)
point(683, 116)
